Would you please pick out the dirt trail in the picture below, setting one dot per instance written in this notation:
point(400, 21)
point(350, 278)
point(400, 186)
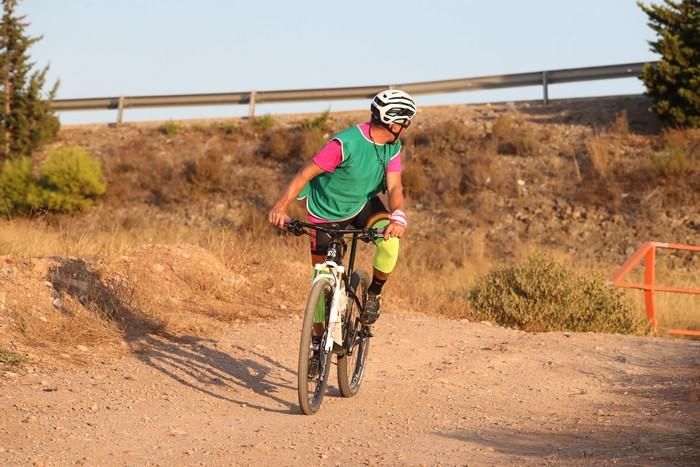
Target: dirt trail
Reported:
point(436, 392)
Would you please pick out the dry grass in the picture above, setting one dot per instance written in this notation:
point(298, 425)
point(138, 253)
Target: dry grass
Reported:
point(513, 137)
point(620, 126)
point(602, 154)
point(679, 154)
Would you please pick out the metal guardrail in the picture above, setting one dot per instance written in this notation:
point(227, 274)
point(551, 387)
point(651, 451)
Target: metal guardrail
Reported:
point(251, 98)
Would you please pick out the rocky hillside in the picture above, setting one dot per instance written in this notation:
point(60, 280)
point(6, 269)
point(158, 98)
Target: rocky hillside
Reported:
point(590, 178)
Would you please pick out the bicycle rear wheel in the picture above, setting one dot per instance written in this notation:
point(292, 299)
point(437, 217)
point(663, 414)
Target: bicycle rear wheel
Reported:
point(351, 365)
point(314, 364)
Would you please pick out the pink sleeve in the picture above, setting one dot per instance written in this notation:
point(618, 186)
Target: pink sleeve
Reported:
point(330, 156)
point(394, 164)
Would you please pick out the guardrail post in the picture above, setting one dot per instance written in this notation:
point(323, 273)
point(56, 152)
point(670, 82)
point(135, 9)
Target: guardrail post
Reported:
point(649, 266)
point(120, 110)
point(545, 90)
point(251, 105)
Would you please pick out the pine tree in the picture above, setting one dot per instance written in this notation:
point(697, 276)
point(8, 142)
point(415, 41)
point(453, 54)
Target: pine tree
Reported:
point(674, 82)
point(26, 119)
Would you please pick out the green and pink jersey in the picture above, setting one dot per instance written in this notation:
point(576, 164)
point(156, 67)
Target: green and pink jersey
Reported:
point(354, 172)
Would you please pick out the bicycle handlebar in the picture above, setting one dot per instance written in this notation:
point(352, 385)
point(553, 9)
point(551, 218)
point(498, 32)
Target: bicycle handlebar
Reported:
point(298, 228)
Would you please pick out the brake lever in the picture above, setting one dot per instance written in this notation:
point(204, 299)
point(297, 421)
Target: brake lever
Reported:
point(373, 235)
point(295, 228)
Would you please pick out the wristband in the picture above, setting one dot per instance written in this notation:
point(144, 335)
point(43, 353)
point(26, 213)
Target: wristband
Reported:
point(398, 217)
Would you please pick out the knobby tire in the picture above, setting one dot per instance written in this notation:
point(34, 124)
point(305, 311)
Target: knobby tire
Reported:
point(351, 364)
point(311, 392)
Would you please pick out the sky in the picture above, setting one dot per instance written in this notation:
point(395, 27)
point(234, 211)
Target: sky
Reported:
point(108, 48)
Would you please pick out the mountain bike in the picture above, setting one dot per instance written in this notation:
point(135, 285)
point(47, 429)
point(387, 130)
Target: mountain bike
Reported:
point(331, 322)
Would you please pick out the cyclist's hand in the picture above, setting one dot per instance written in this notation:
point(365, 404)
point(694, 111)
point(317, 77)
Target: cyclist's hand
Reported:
point(277, 217)
point(394, 230)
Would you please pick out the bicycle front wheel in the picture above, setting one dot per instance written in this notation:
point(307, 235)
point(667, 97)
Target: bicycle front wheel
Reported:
point(351, 365)
point(314, 361)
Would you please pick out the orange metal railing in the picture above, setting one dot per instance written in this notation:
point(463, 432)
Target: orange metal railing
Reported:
point(647, 252)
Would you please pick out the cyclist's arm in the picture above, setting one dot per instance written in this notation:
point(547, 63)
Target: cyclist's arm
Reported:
point(397, 202)
point(278, 213)
point(395, 191)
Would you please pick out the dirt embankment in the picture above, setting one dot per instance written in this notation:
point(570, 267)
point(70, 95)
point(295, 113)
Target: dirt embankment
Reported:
point(591, 178)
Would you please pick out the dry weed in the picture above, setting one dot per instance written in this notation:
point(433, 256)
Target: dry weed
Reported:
point(602, 154)
point(514, 138)
point(208, 174)
point(620, 126)
point(277, 145)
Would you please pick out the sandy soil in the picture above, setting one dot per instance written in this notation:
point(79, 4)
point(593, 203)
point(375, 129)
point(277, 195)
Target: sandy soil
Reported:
point(436, 392)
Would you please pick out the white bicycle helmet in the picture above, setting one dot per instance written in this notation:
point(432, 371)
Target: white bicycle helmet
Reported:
point(393, 106)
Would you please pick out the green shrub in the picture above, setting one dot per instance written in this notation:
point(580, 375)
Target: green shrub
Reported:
point(10, 358)
point(170, 128)
point(69, 180)
point(542, 295)
point(227, 128)
point(680, 154)
point(19, 191)
point(263, 123)
point(321, 122)
point(670, 162)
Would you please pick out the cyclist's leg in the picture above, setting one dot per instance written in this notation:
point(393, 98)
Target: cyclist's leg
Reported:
point(375, 215)
point(318, 242)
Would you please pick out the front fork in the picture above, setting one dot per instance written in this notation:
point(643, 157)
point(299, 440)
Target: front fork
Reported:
point(334, 273)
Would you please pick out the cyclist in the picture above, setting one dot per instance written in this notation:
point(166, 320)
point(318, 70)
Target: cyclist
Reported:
point(342, 183)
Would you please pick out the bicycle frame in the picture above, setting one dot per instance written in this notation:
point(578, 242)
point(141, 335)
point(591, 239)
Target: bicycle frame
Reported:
point(332, 269)
point(336, 276)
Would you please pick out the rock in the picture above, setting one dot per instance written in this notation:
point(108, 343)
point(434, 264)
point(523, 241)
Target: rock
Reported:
point(57, 302)
point(82, 348)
